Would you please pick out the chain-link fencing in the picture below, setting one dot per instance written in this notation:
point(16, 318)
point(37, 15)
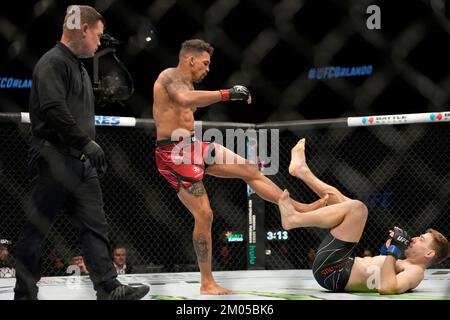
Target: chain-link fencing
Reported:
point(273, 54)
point(142, 210)
point(400, 172)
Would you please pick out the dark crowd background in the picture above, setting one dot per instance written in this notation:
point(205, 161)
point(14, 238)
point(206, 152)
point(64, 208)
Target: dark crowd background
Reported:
point(268, 45)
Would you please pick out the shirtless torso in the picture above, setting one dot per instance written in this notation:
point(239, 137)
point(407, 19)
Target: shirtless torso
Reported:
point(365, 270)
point(168, 115)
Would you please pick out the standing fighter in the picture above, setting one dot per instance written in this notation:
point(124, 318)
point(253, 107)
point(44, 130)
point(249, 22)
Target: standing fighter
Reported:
point(335, 267)
point(175, 101)
point(65, 161)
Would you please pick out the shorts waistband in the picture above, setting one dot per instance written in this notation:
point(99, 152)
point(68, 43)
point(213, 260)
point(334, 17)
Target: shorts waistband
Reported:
point(166, 142)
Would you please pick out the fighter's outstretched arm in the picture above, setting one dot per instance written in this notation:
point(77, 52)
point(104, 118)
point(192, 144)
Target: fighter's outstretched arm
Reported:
point(182, 92)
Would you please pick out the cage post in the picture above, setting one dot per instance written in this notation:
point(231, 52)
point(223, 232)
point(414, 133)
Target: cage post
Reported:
point(256, 217)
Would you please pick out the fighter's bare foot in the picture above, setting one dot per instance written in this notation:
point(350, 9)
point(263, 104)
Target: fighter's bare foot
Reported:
point(286, 210)
point(298, 167)
point(214, 289)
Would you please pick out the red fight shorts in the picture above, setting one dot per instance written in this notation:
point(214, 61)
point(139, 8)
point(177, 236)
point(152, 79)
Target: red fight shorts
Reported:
point(182, 163)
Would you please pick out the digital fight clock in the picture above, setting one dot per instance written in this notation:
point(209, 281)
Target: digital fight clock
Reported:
point(277, 235)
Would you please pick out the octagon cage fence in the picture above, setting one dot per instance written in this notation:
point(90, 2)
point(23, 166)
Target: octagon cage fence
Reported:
point(396, 164)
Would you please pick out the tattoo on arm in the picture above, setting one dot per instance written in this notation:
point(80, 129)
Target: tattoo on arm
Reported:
point(201, 247)
point(175, 83)
point(197, 189)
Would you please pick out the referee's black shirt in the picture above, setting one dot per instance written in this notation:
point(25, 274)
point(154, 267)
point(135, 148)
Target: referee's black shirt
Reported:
point(62, 99)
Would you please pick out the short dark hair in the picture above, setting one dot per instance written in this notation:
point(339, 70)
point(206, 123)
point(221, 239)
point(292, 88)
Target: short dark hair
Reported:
point(196, 45)
point(87, 15)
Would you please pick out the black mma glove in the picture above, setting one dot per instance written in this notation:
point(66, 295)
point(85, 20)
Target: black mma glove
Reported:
point(399, 242)
point(235, 93)
point(96, 156)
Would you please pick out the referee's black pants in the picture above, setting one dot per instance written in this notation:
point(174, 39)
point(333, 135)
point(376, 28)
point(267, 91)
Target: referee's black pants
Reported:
point(61, 181)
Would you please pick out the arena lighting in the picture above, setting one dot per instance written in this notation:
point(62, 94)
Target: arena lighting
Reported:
point(5, 242)
point(113, 83)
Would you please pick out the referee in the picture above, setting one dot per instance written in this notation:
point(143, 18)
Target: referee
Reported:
point(65, 162)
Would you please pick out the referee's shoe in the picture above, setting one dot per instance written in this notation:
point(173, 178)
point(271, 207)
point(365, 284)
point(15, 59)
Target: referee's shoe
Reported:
point(124, 292)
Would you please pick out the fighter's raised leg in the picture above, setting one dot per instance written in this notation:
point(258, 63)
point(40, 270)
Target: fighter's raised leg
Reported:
point(299, 169)
point(346, 219)
point(230, 165)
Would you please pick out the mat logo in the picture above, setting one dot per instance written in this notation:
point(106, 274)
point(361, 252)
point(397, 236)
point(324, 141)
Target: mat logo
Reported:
point(436, 116)
point(107, 121)
point(369, 120)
